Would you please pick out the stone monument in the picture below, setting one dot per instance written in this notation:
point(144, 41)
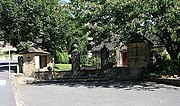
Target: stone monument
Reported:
point(138, 58)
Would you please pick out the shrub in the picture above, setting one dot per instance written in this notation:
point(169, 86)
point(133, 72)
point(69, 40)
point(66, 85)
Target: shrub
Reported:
point(163, 67)
point(62, 57)
point(171, 67)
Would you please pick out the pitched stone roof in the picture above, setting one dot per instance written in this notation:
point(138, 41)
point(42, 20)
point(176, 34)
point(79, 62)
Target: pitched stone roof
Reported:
point(34, 50)
point(108, 43)
point(115, 41)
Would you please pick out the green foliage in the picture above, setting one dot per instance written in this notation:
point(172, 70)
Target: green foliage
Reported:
point(131, 20)
point(90, 61)
point(62, 57)
point(163, 66)
point(54, 26)
point(171, 67)
point(24, 45)
point(93, 61)
point(39, 21)
point(151, 75)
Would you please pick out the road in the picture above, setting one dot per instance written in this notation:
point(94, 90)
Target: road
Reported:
point(6, 92)
point(100, 94)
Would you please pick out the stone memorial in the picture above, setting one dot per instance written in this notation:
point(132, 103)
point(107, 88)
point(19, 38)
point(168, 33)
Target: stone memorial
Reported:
point(138, 58)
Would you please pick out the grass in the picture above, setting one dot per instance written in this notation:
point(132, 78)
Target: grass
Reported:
point(62, 67)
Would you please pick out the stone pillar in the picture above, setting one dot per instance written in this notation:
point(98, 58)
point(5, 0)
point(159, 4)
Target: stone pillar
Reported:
point(75, 58)
point(20, 63)
point(119, 58)
point(104, 57)
point(138, 58)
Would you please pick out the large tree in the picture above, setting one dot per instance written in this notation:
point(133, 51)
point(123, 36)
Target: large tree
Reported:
point(164, 16)
point(155, 19)
point(60, 26)
point(36, 21)
point(132, 20)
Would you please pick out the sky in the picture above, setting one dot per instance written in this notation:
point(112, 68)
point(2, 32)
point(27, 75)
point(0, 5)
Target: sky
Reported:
point(65, 0)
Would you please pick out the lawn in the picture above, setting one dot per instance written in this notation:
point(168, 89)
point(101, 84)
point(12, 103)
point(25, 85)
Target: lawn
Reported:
point(62, 67)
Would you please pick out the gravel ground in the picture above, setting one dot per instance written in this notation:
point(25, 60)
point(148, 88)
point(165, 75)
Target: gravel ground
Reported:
point(100, 94)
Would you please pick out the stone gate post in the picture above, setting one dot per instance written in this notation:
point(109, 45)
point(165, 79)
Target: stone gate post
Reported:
point(104, 57)
point(75, 61)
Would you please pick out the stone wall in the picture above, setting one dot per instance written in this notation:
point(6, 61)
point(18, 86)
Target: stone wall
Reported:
point(29, 67)
point(28, 64)
point(52, 75)
point(118, 73)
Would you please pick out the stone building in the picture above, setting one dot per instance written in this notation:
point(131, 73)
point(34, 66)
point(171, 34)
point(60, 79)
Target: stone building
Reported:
point(35, 59)
point(118, 53)
point(121, 56)
point(134, 57)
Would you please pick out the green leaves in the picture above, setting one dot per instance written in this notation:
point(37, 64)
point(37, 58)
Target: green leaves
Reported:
point(131, 20)
point(37, 21)
point(53, 26)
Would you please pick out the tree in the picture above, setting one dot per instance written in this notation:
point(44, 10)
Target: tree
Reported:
point(59, 26)
point(160, 19)
point(132, 20)
point(37, 21)
point(166, 15)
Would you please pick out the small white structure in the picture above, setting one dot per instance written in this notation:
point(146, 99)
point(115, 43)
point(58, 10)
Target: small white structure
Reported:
point(35, 59)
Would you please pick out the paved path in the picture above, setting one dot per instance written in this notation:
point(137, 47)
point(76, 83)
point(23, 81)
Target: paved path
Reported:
point(6, 92)
point(100, 94)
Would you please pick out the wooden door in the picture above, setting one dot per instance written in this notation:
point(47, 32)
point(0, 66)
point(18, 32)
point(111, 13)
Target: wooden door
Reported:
point(125, 59)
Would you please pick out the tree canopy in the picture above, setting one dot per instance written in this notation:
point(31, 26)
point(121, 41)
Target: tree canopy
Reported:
point(36, 21)
point(132, 20)
point(56, 26)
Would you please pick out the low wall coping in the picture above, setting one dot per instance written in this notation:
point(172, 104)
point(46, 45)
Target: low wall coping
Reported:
point(169, 81)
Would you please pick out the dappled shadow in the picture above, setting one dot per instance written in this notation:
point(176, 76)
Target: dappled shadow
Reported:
point(126, 85)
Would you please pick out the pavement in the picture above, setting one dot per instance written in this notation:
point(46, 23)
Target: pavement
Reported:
point(123, 93)
point(6, 91)
point(93, 93)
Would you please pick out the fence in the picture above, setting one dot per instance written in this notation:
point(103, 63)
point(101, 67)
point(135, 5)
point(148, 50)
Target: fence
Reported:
point(90, 61)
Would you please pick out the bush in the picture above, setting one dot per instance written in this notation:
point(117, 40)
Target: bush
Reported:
point(171, 67)
point(62, 57)
point(163, 67)
point(93, 61)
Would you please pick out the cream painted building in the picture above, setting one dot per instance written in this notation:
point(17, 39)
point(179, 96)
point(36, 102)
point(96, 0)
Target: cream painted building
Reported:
point(36, 59)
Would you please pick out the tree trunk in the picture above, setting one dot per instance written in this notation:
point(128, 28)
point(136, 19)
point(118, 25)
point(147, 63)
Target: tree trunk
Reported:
point(173, 54)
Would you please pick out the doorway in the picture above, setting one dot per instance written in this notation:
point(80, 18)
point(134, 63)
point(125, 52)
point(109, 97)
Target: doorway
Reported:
point(43, 61)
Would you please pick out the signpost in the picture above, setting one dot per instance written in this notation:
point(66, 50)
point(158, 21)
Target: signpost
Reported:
point(8, 48)
point(9, 63)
